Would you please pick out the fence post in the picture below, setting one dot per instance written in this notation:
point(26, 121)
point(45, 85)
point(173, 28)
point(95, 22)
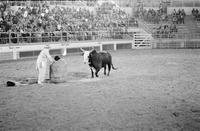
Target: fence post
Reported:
point(18, 38)
point(101, 46)
point(61, 35)
point(15, 53)
point(64, 51)
point(67, 35)
point(9, 37)
point(51, 35)
point(115, 46)
point(133, 43)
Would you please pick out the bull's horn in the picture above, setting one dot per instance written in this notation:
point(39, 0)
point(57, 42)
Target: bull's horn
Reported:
point(82, 50)
point(92, 49)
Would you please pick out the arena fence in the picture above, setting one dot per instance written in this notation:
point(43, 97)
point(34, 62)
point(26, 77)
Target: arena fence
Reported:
point(56, 36)
point(70, 44)
point(71, 3)
point(176, 41)
point(176, 44)
point(11, 52)
point(132, 40)
point(67, 36)
point(32, 3)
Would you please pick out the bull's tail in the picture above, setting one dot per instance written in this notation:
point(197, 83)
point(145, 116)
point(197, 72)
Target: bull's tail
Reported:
point(113, 67)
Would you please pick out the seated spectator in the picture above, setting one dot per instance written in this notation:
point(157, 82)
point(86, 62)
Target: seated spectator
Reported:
point(173, 28)
point(174, 20)
point(165, 31)
point(196, 14)
point(179, 16)
point(39, 20)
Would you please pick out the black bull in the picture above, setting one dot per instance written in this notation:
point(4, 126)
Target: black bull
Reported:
point(100, 60)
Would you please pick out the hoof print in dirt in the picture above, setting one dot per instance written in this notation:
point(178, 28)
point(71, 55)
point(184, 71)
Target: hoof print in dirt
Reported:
point(176, 114)
point(195, 110)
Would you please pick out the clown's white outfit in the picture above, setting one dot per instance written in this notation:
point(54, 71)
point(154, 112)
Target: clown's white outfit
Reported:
point(43, 63)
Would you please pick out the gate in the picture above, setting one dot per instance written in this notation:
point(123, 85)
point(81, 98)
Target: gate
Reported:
point(142, 41)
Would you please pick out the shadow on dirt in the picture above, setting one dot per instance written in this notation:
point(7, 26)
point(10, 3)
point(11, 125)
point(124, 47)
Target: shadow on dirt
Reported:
point(81, 77)
point(78, 75)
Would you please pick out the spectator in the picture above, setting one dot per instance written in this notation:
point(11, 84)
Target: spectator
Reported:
point(179, 16)
point(165, 31)
point(196, 14)
point(29, 20)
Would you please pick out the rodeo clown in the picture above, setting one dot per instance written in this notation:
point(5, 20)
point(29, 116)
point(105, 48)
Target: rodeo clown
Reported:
point(43, 63)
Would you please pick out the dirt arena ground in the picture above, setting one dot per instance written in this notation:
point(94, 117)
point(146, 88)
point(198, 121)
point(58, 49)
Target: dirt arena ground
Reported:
point(152, 90)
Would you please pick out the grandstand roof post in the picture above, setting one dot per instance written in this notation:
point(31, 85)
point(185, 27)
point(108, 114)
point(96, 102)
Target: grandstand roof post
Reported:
point(193, 4)
point(181, 3)
point(9, 37)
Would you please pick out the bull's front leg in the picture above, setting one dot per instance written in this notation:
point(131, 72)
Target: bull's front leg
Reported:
point(96, 73)
point(92, 72)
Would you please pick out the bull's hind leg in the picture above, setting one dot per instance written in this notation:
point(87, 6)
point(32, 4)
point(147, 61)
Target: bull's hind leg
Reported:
point(104, 70)
point(96, 73)
point(109, 67)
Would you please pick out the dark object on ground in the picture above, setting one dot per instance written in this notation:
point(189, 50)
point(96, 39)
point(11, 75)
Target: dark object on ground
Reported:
point(10, 83)
point(27, 81)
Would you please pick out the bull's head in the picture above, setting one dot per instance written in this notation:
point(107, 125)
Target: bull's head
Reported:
point(86, 55)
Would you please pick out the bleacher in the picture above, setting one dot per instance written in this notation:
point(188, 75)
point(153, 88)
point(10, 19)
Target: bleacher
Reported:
point(54, 21)
point(147, 26)
point(109, 23)
point(191, 26)
point(133, 22)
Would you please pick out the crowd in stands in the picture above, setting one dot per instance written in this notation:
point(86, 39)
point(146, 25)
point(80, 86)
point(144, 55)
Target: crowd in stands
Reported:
point(167, 24)
point(166, 31)
point(41, 20)
point(196, 14)
point(150, 15)
point(178, 17)
point(157, 16)
point(54, 2)
point(169, 30)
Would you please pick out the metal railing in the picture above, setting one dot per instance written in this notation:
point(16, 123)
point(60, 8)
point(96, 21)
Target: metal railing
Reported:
point(185, 3)
point(38, 37)
point(127, 3)
point(24, 2)
point(186, 36)
point(78, 3)
point(57, 36)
